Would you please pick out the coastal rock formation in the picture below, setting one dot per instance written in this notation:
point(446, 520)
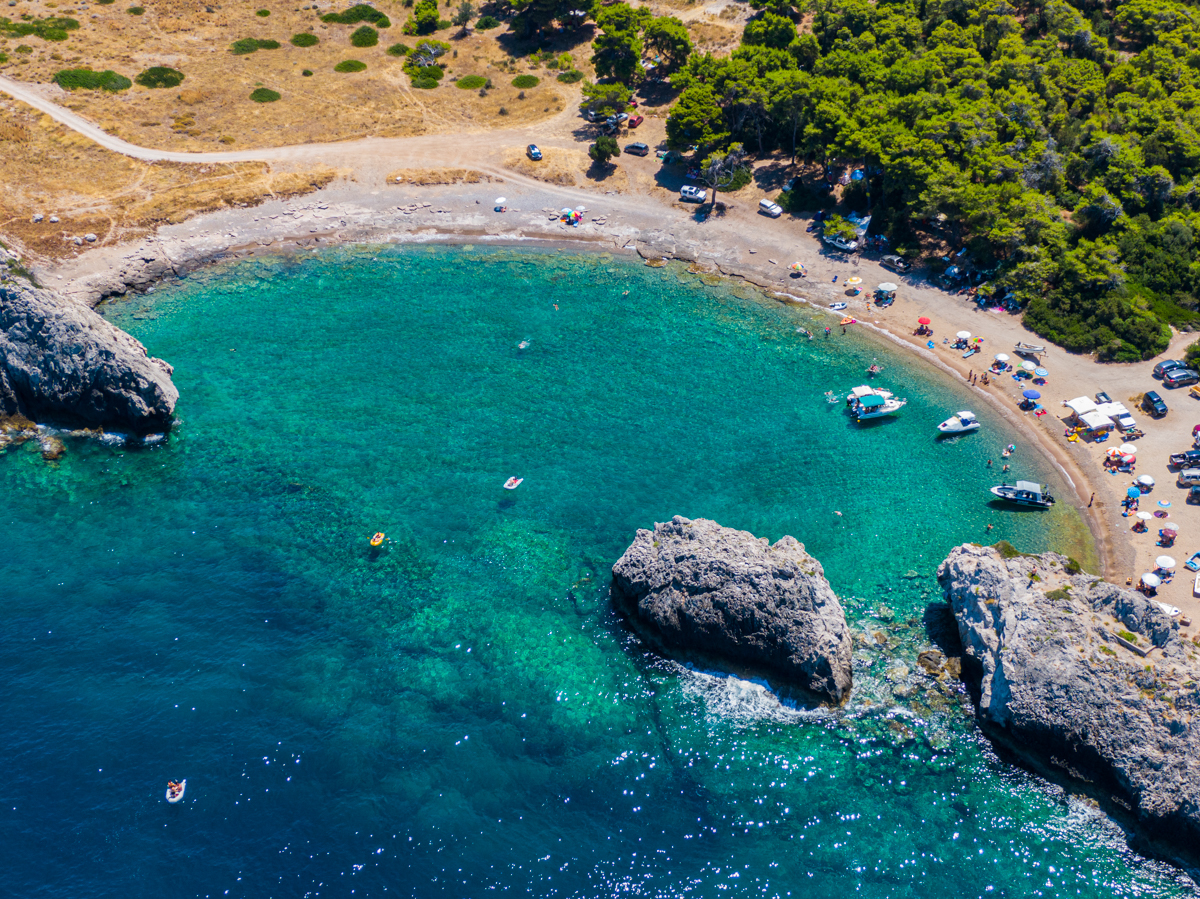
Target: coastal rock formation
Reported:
point(697, 587)
point(61, 362)
point(1087, 681)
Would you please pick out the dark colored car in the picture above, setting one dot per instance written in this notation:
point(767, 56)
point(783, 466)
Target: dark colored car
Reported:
point(1180, 377)
point(1194, 495)
point(638, 149)
point(533, 152)
point(1153, 403)
point(1189, 459)
point(1102, 398)
point(896, 263)
point(635, 121)
point(1166, 365)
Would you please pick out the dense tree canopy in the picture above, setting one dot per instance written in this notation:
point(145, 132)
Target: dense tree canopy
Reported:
point(1061, 142)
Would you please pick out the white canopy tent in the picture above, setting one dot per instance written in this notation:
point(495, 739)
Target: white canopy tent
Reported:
point(1094, 421)
point(1080, 405)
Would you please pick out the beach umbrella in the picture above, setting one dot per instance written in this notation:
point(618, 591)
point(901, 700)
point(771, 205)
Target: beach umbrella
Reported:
point(1145, 516)
point(1128, 459)
point(1171, 527)
point(799, 267)
point(853, 281)
point(1001, 357)
point(1147, 480)
point(923, 321)
point(888, 286)
point(1128, 449)
point(1031, 395)
point(963, 335)
point(1166, 563)
point(1133, 493)
point(1041, 372)
point(1028, 366)
point(1151, 580)
point(500, 201)
point(1112, 453)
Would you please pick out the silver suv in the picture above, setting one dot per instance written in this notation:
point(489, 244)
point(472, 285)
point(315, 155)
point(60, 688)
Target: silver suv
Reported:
point(695, 194)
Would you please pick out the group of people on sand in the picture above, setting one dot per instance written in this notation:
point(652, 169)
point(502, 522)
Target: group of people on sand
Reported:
point(973, 378)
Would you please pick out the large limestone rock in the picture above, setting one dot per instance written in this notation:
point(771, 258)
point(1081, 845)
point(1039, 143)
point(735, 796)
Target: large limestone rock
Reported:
point(1087, 681)
point(696, 588)
point(60, 362)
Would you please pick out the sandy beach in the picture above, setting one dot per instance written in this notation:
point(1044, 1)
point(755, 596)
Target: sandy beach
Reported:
point(740, 244)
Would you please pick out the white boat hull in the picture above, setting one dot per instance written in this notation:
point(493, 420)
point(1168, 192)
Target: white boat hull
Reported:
point(177, 797)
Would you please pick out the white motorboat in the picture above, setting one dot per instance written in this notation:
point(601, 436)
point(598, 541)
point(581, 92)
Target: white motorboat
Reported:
point(865, 390)
point(513, 483)
point(1029, 349)
point(961, 423)
point(1025, 493)
point(875, 406)
point(175, 790)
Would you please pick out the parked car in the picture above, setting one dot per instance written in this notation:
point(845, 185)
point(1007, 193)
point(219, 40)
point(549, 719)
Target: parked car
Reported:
point(769, 207)
point(1153, 403)
point(1166, 365)
point(1189, 459)
point(636, 120)
point(1180, 377)
point(638, 149)
point(1194, 495)
point(533, 152)
point(896, 263)
point(1189, 477)
point(840, 242)
point(695, 194)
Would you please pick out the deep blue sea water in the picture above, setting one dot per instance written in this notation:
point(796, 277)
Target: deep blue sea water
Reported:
point(462, 715)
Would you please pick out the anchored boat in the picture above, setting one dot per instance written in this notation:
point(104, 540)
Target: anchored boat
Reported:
point(1029, 349)
point(866, 403)
point(961, 423)
point(1025, 493)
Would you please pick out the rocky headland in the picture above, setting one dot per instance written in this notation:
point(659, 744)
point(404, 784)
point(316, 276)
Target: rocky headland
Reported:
point(1088, 682)
point(699, 590)
point(62, 363)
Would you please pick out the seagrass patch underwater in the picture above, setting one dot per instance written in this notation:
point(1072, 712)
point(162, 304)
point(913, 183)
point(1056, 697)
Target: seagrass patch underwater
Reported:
point(461, 713)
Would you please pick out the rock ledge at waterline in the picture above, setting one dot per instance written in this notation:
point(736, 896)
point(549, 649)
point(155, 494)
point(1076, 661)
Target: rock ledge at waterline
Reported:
point(61, 362)
point(1087, 681)
point(694, 587)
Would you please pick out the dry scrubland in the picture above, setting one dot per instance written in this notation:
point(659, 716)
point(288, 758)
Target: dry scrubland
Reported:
point(46, 168)
point(212, 108)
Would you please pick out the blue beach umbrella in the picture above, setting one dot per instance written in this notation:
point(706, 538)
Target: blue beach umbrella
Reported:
point(1031, 395)
point(1041, 372)
point(1133, 492)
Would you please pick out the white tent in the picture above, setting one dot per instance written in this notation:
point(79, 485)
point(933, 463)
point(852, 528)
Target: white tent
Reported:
point(1080, 405)
point(1094, 421)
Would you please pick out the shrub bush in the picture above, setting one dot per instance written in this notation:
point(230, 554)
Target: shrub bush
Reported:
point(740, 180)
point(262, 12)
point(86, 79)
point(251, 44)
point(502, 111)
point(525, 81)
point(366, 36)
point(3, 58)
point(51, 29)
point(305, 40)
point(160, 76)
point(307, 73)
point(106, 2)
point(356, 14)
point(570, 77)
point(350, 65)
point(264, 95)
point(471, 82)
point(425, 83)
point(398, 50)
point(136, 10)
point(486, 22)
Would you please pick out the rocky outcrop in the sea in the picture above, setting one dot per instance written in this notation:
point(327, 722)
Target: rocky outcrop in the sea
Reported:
point(1087, 681)
point(698, 589)
point(61, 362)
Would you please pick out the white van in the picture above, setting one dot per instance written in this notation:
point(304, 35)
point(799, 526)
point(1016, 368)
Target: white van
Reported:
point(769, 207)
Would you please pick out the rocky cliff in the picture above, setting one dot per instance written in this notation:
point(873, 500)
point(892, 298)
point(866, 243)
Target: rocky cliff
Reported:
point(60, 362)
point(696, 588)
point(1089, 682)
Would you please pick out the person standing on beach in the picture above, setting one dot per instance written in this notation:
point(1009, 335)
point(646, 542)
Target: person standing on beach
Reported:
point(1092, 500)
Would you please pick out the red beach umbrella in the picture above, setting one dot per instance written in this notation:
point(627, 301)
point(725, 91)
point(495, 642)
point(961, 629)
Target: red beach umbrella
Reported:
point(923, 321)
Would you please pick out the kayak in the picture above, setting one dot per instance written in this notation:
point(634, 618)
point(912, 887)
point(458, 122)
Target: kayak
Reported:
point(513, 483)
point(377, 540)
point(175, 791)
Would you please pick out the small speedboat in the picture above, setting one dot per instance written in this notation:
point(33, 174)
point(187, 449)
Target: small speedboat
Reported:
point(513, 483)
point(960, 424)
point(837, 307)
point(377, 540)
point(1025, 493)
point(175, 790)
point(1029, 349)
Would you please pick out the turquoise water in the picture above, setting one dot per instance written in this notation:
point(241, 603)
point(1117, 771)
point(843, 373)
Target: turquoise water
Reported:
point(462, 714)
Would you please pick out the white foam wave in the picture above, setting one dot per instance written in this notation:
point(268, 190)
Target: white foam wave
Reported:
point(742, 701)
